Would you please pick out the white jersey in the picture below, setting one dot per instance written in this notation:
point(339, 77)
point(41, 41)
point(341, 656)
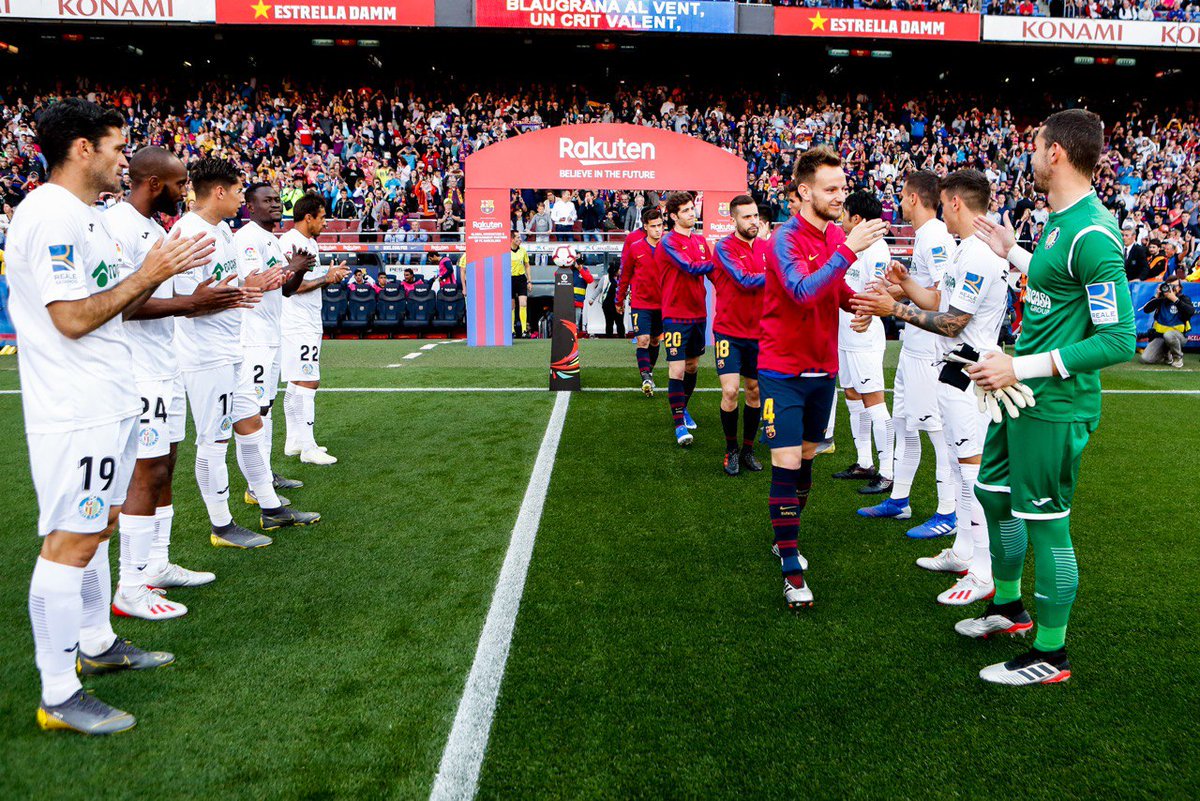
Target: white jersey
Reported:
point(976, 283)
point(870, 266)
point(59, 249)
point(302, 311)
point(209, 340)
point(152, 341)
point(259, 250)
point(933, 248)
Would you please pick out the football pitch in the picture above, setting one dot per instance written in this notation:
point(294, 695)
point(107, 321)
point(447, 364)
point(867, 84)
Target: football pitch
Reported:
point(653, 656)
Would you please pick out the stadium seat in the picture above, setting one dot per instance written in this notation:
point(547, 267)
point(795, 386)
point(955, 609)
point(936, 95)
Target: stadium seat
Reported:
point(419, 307)
point(389, 309)
point(451, 311)
point(334, 302)
point(359, 308)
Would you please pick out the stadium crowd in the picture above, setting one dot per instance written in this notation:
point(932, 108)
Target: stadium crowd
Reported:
point(386, 159)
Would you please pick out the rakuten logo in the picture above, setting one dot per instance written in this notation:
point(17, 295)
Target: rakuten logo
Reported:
point(591, 152)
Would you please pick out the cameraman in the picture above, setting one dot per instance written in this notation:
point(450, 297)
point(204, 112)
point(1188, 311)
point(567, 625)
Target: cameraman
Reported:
point(1172, 310)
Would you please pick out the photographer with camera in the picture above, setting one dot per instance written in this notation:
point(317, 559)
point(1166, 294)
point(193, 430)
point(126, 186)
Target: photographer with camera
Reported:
point(1172, 310)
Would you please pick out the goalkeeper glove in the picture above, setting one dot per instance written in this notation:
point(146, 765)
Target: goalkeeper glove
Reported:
point(996, 402)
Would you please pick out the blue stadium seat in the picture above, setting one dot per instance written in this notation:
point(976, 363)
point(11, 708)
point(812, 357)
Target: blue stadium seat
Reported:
point(389, 309)
point(451, 308)
point(419, 307)
point(334, 302)
point(359, 309)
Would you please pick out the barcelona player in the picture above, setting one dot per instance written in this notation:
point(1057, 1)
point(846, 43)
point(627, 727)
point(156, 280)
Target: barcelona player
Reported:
point(639, 272)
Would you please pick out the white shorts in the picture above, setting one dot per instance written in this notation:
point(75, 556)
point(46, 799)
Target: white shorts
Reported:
point(965, 426)
point(916, 395)
point(300, 357)
point(163, 421)
point(861, 370)
point(216, 402)
point(80, 476)
point(260, 366)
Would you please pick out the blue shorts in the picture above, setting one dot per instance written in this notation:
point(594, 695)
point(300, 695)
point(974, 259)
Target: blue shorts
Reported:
point(735, 355)
point(684, 339)
point(795, 410)
point(647, 322)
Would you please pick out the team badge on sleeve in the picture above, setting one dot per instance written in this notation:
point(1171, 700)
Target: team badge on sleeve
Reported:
point(972, 284)
point(1102, 303)
point(939, 254)
point(62, 258)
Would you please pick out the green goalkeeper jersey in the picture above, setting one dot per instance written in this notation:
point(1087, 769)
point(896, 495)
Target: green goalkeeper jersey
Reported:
point(1078, 308)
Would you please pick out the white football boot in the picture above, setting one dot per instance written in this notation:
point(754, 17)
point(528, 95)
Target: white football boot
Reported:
point(967, 590)
point(317, 456)
point(146, 604)
point(944, 562)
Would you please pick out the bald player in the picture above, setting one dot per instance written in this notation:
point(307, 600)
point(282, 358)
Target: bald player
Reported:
point(158, 183)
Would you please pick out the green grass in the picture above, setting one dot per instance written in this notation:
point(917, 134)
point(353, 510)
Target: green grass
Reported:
point(652, 655)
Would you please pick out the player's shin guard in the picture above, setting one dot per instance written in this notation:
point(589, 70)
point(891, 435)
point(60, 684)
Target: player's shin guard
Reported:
point(95, 623)
point(947, 487)
point(1008, 542)
point(689, 386)
point(785, 517)
point(751, 415)
point(963, 543)
point(160, 546)
point(137, 537)
point(1056, 578)
point(908, 458)
point(969, 509)
point(881, 427)
point(729, 421)
point(860, 428)
point(257, 472)
point(268, 435)
point(677, 399)
point(55, 611)
point(643, 360)
point(212, 476)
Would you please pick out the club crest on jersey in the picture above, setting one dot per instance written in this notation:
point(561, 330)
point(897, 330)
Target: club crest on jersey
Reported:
point(226, 424)
point(769, 430)
point(148, 437)
point(1052, 237)
point(307, 369)
point(720, 363)
point(487, 206)
point(91, 507)
point(260, 392)
point(1102, 303)
point(972, 284)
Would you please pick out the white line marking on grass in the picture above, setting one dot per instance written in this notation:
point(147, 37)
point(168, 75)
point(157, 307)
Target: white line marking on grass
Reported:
point(458, 774)
point(430, 346)
point(412, 355)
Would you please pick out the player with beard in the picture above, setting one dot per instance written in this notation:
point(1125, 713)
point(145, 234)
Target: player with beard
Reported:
point(158, 182)
point(738, 286)
point(805, 287)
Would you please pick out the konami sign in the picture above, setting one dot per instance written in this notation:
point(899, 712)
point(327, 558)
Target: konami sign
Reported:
point(593, 152)
point(1026, 30)
point(111, 10)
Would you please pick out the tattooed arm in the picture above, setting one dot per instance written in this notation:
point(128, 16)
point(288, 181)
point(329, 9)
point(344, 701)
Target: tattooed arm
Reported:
point(948, 323)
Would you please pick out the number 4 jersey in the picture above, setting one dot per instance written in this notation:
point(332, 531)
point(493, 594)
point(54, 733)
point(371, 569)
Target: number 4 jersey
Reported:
point(1077, 308)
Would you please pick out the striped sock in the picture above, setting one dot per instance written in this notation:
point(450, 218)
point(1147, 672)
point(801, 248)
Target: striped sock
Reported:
point(689, 386)
point(677, 399)
point(643, 360)
point(785, 519)
point(653, 350)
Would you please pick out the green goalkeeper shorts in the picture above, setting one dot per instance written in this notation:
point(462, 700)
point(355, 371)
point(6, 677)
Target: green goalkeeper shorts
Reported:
point(1037, 461)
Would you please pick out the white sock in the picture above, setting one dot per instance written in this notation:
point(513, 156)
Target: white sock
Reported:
point(981, 557)
point(137, 537)
point(160, 546)
point(947, 487)
point(96, 633)
point(964, 542)
point(268, 440)
point(308, 404)
point(256, 471)
point(881, 425)
point(212, 474)
point(908, 458)
point(860, 425)
point(832, 418)
point(55, 610)
point(293, 416)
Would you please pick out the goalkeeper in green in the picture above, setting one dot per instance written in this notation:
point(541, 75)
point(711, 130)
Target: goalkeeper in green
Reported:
point(1078, 319)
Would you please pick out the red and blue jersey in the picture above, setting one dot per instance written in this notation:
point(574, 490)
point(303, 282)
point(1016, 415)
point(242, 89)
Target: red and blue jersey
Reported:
point(683, 260)
point(639, 269)
point(738, 280)
point(806, 270)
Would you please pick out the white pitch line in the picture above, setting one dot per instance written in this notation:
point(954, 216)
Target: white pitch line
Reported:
point(412, 355)
point(458, 774)
point(430, 346)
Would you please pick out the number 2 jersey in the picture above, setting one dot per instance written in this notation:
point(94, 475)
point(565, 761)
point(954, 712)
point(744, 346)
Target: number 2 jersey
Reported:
point(1077, 308)
point(59, 249)
point(152, 341)
point(209, 340)
point(259, 251)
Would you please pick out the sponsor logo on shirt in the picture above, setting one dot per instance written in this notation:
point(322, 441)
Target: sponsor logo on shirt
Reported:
point(972, 284)
point(250, 253)
point(91, 507)
point(1037, 301)
point(1102, 303)
point(62, 258)
point(939, 254)
point(1052, 237)
point(103, 274)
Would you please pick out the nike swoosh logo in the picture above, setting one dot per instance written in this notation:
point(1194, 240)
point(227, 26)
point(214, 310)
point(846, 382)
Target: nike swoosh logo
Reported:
point(1040, 502)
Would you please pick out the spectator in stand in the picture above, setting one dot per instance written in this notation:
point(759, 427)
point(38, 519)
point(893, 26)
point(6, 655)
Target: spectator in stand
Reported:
point(449, 222)
point(394, 237)
point(1157, 263)
point(633, 214)
point(1172, 311)
point(591, 216)
point(540, 226)
point(563, 214)
point(1137, 262)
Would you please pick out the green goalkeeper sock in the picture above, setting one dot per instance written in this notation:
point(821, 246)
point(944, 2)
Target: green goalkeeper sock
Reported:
point(1008, 542)
point(1056, 580)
